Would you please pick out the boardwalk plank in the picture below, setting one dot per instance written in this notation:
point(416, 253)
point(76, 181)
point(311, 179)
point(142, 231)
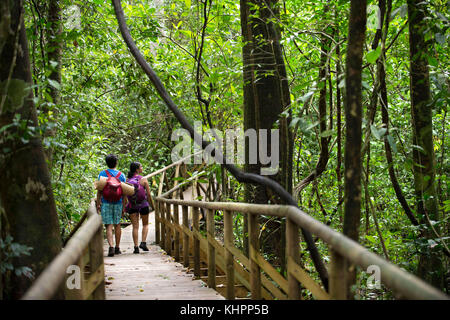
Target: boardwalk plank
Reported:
point(151, 275)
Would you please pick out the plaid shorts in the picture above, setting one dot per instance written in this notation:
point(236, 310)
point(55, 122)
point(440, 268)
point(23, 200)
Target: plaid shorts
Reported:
point(111, 213)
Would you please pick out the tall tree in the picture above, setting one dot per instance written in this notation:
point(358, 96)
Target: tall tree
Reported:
point(430, 262)
point(353, 118)
point(266, 97)
point(25, 192)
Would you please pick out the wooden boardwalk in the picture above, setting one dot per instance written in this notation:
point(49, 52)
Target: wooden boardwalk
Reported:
point(151, 275)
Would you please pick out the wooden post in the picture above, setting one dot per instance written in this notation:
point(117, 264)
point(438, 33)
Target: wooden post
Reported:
point(255, 275)
point(96, 258)
point(195, 225)
point(293, 251)
point(74, 293)
point(162, 215)
point(159, 228)
point(229, 259)
point(210, 226)
point(176, 221)
point(186, 236)
point(157, 223)
point(161, 183)
point(168, 244)
point(338, 276)
point(176, 217)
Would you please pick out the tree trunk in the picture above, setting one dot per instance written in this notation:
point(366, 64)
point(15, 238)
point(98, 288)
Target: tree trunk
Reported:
point(338, 121)
point(430, 265)
point(353, 115)
point(266, 95)
point(26, 194)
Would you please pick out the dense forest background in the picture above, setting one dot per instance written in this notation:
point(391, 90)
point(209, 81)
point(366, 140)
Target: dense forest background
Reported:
point(92, 99)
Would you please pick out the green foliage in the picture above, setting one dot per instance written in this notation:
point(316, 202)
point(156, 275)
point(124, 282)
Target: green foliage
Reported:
point(10, 250)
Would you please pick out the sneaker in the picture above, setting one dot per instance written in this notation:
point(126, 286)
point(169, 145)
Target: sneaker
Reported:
point(136, 250)
point(143, 246)
point(117, 250)
point(111, 252)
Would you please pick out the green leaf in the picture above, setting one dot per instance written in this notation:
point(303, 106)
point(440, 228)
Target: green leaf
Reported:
point(326, 133)
point(392, 143)
point(373, 55)
point(432, 61)
point(402, 9)
point(54, 64)
point(6, 127)
point(312, 126)
point(54, 84)
point(419, 148)
point(377, 133)
point(294, 122)
point(306, 96)
point(440, 38)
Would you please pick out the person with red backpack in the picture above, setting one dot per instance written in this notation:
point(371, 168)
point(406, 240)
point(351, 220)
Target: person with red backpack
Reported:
point(111, 203)
point(138, 205)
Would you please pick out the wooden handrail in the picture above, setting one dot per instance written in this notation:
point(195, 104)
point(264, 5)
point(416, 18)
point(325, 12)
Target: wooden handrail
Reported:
point(171, 165)
point(89, 237)
point(343, 250)
point(179, 186)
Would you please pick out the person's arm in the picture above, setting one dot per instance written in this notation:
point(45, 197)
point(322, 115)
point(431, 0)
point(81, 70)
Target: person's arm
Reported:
point(149, 196)
point(99, 195)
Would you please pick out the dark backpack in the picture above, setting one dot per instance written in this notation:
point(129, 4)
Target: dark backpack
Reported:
point(139, 191)
point(113, 189)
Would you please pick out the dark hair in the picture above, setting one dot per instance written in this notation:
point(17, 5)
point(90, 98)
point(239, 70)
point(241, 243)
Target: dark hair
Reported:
point(111, 160)
point(134, 166)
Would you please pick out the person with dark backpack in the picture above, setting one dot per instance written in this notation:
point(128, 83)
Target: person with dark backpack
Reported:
point(111, 203)
point(138, 205)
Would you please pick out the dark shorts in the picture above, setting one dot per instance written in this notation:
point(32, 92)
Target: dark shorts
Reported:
point(143, 211)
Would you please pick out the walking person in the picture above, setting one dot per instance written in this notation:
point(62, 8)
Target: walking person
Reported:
point(111, 203)
point(138, 205)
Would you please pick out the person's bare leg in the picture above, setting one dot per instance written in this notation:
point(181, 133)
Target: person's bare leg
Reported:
point(109, 234)
point(135, 222)
point(144, 227)
point(118, 234)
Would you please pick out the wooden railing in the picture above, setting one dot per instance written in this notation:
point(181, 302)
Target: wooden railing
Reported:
point(83, 253)
point(233, 274)
point(247, 271)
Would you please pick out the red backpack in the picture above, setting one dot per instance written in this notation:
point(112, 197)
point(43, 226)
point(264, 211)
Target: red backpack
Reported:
point(113, 189)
